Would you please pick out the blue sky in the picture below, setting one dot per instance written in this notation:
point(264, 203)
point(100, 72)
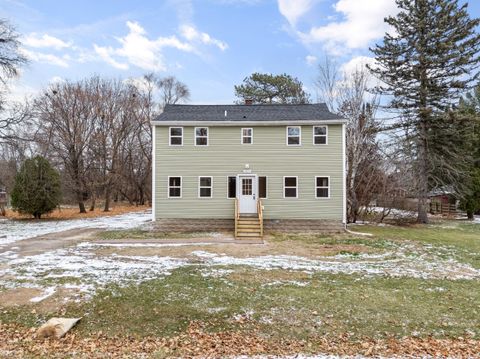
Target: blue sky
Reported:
point(211, 45)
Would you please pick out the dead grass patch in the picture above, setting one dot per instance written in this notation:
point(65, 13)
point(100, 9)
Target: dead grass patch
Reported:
point(73, 213)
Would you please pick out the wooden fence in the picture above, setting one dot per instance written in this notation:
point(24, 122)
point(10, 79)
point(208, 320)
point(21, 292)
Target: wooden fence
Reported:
point(445, 209)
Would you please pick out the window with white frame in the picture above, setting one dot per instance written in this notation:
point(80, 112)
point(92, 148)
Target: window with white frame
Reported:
point(176, 136)
point(201, 136)
point(205, 185)
point(290, 187)
point(174, 187)
point(320, 134)
point(294, 136)
point(322, 187)
point(247, 136)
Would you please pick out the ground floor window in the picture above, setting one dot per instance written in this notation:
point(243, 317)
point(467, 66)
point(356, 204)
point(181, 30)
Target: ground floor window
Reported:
point(174, 187)
point(262, 187)
point(322, 187)
point(290, 187)
point(232, 187)
point(205, 185)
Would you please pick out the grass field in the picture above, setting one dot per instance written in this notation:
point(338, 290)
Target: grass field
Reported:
point(296, 303)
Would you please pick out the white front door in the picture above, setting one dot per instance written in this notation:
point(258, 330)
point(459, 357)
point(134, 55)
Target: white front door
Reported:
point(247, 194)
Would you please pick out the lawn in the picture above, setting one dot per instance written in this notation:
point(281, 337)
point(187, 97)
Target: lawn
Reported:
point(343, 290)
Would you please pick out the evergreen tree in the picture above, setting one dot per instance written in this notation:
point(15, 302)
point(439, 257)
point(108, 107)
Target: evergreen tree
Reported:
point(425, 65)
point(272, 89)
point(470, 106)
point(37, 188)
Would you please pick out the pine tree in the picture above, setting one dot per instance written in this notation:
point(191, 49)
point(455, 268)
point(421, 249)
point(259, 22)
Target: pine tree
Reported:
point(37, 188)
point(272, 89)
point(425, 65)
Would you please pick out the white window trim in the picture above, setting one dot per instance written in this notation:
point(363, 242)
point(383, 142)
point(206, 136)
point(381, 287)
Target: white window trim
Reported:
point(266, 183)
point(235, 187)
point(168, 186)
point(195, 137)
point(329, 187)
point(242, 136)
point(284, 187)
point(299, 135)
point(170, 136)
point(211, 186)
point(326, 136)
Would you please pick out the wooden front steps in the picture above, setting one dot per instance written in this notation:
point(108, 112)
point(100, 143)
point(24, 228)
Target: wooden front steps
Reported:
point(249, 226)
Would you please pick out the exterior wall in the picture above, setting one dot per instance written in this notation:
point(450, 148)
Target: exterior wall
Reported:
point(228, 225)
point(267, 156)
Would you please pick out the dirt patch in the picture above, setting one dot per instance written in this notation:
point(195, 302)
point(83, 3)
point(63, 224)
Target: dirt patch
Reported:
point(18, 297)
point(73, 213)
point(184, 250)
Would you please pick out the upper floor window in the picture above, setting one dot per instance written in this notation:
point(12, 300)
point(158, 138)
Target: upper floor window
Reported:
point(176, 136)
point(205, 186)
point(174, 187)
point(294, 136)
point(247, 136)
point(322, 187)
point(290, 187)
point(320, 134)
point(201, 136)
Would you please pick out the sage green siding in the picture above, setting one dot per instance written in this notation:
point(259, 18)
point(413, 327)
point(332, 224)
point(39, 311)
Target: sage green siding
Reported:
point(267, 156)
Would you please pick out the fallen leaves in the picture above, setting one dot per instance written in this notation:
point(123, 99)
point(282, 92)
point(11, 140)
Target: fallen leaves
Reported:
point(18, 342)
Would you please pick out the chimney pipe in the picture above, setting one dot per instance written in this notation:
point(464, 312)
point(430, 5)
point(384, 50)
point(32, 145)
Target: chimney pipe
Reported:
point(248, 101)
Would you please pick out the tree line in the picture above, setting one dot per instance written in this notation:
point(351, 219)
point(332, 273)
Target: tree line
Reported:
point(412, 117)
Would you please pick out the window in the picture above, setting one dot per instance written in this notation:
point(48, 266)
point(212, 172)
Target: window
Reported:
point(174, 187)
point(205, 187)
point(320, 135)
point(247, 186)
point(232, 187)
point(322, 187)
point(294, 136)
point(262, 187)
point(247, 136)
point(176, 136)
point(290, 189)
point(201, 136)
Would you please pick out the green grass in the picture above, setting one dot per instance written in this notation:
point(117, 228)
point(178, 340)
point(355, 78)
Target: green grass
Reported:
point(137, 233)
point(463, 239)
point(328, 304)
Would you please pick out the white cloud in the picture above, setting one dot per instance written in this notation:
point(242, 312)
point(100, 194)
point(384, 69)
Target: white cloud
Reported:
point(139, 50)
point(190, 33)
point(363, 23)
point(293, 10)
point(311, 60)
point(56, 80)
point(37, 41)
point(104, 53)
point(51, 59)
point(356, 63)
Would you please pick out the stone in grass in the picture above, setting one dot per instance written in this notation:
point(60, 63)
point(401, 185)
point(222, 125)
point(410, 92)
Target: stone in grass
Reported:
point(56, 327)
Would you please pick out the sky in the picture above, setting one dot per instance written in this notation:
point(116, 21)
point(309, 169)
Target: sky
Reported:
point(211, 45)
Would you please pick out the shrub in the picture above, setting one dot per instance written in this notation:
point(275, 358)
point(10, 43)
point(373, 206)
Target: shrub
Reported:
point(37, 188)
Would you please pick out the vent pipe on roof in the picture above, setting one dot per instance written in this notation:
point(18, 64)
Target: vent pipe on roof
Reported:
point(225, 113)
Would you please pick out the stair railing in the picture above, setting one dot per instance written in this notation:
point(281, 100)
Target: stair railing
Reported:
point(260, 215)
point(237, 216)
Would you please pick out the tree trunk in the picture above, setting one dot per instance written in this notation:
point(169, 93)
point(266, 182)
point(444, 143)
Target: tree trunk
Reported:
point(470, 215)
point(81, 206)
point(92, 206)
point(107, 199)
point(422, 178)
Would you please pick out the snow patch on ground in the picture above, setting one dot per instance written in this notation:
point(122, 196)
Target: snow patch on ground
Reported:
point(47, 293)
point(16, 230)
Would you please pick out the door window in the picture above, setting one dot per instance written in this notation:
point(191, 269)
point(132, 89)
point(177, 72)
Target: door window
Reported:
point(247, 186)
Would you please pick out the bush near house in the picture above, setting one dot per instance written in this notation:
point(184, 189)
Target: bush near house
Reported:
point(37, 188)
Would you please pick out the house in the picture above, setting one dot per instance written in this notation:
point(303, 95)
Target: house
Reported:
point(250, 168)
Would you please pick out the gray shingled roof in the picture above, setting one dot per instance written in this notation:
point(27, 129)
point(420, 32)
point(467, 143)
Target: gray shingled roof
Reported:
point(307, 112)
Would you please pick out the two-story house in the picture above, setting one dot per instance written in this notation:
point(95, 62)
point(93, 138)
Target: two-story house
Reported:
point(249, 167)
